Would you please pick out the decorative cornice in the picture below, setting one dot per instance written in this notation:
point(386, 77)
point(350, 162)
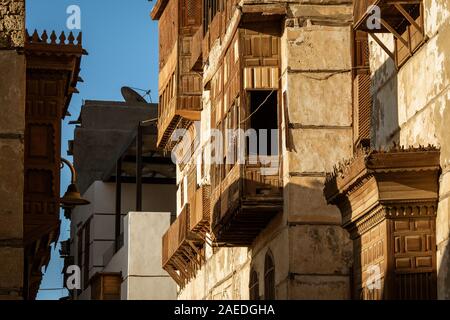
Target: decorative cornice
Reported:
point(391, 211)
point(158, 9)
point(54, 45)
point(366, 222)
point(53, 53)
point(351, 174)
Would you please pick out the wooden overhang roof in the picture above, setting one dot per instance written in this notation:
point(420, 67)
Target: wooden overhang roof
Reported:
point(389, 13)
point(56, 53)
point(158, 9)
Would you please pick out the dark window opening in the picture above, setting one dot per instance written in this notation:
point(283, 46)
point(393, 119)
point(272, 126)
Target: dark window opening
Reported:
point(254, 285)
point(414, 11)
point(210, 10)
point(269, 278)
point(264, 116)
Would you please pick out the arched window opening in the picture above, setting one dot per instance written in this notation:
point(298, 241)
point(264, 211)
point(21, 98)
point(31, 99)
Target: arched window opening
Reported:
point(254, 285)
point(269, 278)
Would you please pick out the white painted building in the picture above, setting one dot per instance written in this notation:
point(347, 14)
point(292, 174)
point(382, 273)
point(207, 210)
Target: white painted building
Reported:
point(116, 239)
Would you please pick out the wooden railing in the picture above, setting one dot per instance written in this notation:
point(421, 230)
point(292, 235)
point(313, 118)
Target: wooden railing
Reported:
point(175, 236)
point(246, 199)
point(260, 180)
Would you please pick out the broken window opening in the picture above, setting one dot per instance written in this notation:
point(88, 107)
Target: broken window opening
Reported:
point(263, 108)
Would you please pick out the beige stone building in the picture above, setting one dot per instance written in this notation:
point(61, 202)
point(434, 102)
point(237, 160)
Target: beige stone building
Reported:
point(243, 231)
point(336, 80)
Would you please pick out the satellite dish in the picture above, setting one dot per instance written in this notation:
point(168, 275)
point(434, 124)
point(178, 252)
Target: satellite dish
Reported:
point(132, 96)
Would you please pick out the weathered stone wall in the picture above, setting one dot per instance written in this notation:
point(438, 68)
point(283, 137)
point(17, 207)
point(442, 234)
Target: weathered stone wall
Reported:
point(312, 253)
point(317, 82)
point(412, 108)
point(12, 126)
point(12, 23)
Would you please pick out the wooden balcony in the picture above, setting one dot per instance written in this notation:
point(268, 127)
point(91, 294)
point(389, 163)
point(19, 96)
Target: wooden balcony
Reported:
point(180, 88)
point(180, 103)
point(244, 204)
point(394, 14)
point(181, 249)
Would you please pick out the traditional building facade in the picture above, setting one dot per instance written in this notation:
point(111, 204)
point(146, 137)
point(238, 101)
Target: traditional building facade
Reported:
point(39, 74)
point(335, 80)
point(394, 195)
point(258, 228)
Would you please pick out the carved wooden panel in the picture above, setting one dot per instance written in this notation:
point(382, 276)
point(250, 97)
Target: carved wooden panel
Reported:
point(402, 249)
point(370, 256)
point(260, 49)
point(414, 257)
point(106, 286)
point(191, 13)
point(42, 151)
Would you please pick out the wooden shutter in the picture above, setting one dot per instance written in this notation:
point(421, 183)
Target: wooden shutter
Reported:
point(364, 107)
point(362, 100)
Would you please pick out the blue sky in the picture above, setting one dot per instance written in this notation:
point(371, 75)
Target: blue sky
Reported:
point(122, 42)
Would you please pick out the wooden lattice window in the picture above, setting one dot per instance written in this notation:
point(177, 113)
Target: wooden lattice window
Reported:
point(192, 12)
point(254, 285)
point(269, 277)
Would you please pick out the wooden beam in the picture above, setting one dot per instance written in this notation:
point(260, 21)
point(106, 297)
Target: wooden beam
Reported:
point(394, 32)
point(174, 275)
point(196, 250)
point(181, 266)
point(189, 254)
point(402, 10)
